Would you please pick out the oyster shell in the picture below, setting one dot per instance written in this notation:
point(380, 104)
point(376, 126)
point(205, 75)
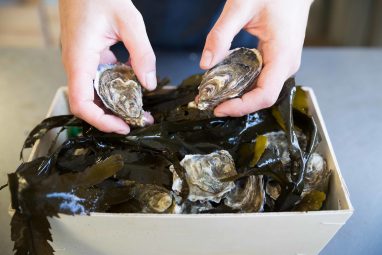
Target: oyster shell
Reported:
point(317, 174)
point(249, 197)
point(273, 189)
point(120, 91)
point(192, 207)
point(279, 140)
point(152, 198)
point(203, 175)
point(230, 78)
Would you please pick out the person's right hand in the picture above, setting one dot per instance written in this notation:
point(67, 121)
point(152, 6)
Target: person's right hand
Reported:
point(88, 29)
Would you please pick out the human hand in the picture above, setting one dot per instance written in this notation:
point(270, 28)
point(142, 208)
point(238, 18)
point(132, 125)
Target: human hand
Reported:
point(88, 29)
point(280, 26)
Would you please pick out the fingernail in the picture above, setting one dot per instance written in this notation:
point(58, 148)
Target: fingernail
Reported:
point(206, 59)
point(151, 80)
point(123, 131)
point(148, 118)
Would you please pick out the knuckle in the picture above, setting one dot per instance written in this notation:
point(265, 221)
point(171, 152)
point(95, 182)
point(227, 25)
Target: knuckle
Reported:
point(130, 18)
point(149, 56)
point(134, 17)
point(138, 18)
point(144, 60)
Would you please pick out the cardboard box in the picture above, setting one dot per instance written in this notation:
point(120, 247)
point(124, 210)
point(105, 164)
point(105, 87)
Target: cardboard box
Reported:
point(231, 234)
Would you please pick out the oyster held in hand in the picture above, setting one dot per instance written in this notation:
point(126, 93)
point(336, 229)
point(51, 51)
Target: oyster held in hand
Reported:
point(230, 78)
point(203, 175)
point(120, 91)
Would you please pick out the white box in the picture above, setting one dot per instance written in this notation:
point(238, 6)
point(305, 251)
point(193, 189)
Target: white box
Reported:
point(281, 233)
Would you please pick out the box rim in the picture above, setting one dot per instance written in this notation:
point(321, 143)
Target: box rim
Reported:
point(330, 146)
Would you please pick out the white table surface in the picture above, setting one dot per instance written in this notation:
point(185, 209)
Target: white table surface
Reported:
point(347, 83)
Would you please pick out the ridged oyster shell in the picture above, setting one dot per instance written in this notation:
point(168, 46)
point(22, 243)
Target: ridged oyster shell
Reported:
point(203, 175)
point(120, 91)
point(249, 197)
point(230, 78)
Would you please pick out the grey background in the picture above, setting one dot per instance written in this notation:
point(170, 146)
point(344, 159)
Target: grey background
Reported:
point(348, 86)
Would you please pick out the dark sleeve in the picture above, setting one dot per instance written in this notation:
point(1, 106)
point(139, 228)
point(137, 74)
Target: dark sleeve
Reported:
point(184, 24)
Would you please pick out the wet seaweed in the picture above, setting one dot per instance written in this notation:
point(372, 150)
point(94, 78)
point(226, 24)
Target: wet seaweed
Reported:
point(46, 125)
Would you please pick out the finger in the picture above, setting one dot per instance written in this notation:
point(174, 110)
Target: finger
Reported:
point(81, 65)
point(134, 36)
point(148, 118)
point(262, 96)
point(107, 57)
point(234, 17)
point(95, 116)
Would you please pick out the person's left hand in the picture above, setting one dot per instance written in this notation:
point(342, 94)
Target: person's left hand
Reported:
point(280, 26)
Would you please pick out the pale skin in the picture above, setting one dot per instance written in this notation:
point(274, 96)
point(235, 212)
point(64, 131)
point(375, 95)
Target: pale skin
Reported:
point(90, 27)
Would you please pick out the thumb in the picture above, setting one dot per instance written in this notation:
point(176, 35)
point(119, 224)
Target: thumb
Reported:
point(234, 17)
point(134, 36)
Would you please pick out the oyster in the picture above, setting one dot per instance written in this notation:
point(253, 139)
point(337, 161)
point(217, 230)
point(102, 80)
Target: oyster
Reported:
point(230, 78)
point(152, 198)
point(317, 174)
point(203, 175)
point(279, 140)
point(120, 91)
point(249, 197)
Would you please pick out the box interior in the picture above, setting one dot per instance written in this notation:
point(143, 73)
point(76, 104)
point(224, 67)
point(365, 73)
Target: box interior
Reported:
point(338, 197)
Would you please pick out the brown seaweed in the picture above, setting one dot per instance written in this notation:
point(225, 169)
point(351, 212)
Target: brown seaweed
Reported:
point(312, 201)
